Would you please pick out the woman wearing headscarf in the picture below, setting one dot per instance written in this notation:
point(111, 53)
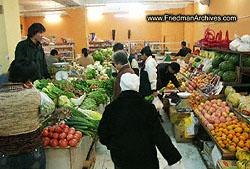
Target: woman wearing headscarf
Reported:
point(131, 130)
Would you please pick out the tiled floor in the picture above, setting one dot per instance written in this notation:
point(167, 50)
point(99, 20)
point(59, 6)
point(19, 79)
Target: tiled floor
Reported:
point(190, 156)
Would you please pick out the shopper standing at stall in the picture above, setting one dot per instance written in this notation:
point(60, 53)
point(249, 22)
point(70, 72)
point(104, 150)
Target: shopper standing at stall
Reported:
point(131, 130)
point(165, 73)
point(184, 50)
point(132, 62)
point(85, 59)
point(148, 74)
point(121, 63)
point(31, 50)
point(52, 58)
point(21, 143)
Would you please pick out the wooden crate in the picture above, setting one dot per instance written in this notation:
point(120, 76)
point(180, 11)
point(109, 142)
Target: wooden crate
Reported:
point(90, 160)
point(69, 157)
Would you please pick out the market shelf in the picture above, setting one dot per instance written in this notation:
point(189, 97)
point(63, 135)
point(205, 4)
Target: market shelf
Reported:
point(226, 155)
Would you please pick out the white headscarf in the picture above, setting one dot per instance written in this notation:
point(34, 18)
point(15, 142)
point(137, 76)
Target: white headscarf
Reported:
point(129, 82)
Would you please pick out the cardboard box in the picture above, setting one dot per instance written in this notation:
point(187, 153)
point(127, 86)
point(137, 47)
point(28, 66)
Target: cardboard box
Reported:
point(226, 164)
point(180, 136)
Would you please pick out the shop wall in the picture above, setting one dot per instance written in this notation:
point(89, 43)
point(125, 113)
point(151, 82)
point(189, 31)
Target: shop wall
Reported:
point(173, 31)
point(10, 33)
point(140, 28)
point(241, 8)
point(73, 25)
point(24, 25)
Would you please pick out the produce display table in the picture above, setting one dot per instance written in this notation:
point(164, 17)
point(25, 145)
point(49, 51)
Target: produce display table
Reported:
point(226, 155)
point(69, 157)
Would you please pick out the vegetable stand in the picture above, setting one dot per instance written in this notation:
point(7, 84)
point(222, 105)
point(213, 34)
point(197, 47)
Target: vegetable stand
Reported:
point(69, 157)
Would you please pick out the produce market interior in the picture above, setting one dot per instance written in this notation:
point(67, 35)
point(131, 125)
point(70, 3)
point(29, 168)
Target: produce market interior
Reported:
point(65, 65)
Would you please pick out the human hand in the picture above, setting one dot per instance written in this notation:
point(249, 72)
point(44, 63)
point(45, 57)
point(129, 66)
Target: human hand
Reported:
point(155, 94)
point(28, 85)
point(181, 89)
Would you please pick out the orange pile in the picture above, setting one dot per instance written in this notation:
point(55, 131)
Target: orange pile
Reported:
point(195, 99)
point(203, 80)
point(232, 135)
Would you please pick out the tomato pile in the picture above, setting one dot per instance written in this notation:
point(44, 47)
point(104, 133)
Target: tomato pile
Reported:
point(61, 135)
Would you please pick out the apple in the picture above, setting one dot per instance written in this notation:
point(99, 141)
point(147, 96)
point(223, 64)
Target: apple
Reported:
point(234, 117)
point(222, 119)
point(228, 119)
point(231, 114)
point(227, 109)
point(210, 127)
point(224, 114)
point(217, 121)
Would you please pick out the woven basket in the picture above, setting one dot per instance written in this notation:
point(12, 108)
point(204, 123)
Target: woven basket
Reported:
point(19, 111)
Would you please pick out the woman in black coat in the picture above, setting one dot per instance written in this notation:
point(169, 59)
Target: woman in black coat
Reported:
point(131, 130)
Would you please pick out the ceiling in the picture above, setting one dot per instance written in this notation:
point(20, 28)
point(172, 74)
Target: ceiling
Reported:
point(45, 7)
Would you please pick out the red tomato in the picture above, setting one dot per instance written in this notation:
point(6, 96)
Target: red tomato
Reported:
point(45, 133)
point(77, 137)
point(66, 130)
point(50, 135)
point(62, 125)
point(72, 130)
point(63, 143)
point(55, 135)
point(46, 141)
point(58, 129)
point(53, 143)
point(52, 128)
point(79, 133)
point(70, 137)
point(46, 128)
point(73, 142)
point(66, 126)
point(62, 135)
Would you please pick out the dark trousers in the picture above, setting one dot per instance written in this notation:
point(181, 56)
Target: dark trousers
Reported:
point(33, 160)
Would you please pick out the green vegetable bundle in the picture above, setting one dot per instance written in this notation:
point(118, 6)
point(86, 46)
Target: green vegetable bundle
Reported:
point(89, 104)
point(52, 91)
point(99, 95)
point(151, 97)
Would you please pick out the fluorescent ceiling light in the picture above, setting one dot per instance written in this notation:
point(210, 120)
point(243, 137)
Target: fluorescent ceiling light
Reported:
point(94, 13)
point(134, 10)
point(53, 18)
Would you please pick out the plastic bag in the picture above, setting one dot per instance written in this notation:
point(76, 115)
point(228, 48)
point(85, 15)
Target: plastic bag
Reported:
point(47, 106)
point(235, 44)
point(157, 102)
point(245, 38)
point(177, 165)
point(244, 47)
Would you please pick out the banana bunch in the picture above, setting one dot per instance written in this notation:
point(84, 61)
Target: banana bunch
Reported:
point(242, 154)
point(243, 164)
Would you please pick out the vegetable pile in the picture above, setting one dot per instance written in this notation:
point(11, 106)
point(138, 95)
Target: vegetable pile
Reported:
point(61, 135)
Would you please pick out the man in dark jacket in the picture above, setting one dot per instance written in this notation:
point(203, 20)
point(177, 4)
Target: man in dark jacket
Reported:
point(121, 63)
point(165, 73)
point(131, 130)
point(31, 50)
point(184, 50)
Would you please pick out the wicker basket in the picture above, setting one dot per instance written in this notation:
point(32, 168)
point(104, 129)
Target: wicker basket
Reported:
point(19, 111)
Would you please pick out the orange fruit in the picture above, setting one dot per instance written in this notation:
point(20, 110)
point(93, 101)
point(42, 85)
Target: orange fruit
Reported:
point(216, 125)
point(218, 138)
point(247, 145)
point(248, 141)
point(237, 134)
point(244, 125)
point(241, 144)
point(245, 135)
point(223, 145)
point(219, 134)
point(220, 142)
point(247, 130)
point(232, 132)
point(242, 138)
point(221, 129)
point(224, 125)
point(230, 136)
point(220, 125)
point(225, 131)
point(238, 130)
point(229, 127)
point(232, 148)
point(225, 142)
point(223, 137)
point(235, 140)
